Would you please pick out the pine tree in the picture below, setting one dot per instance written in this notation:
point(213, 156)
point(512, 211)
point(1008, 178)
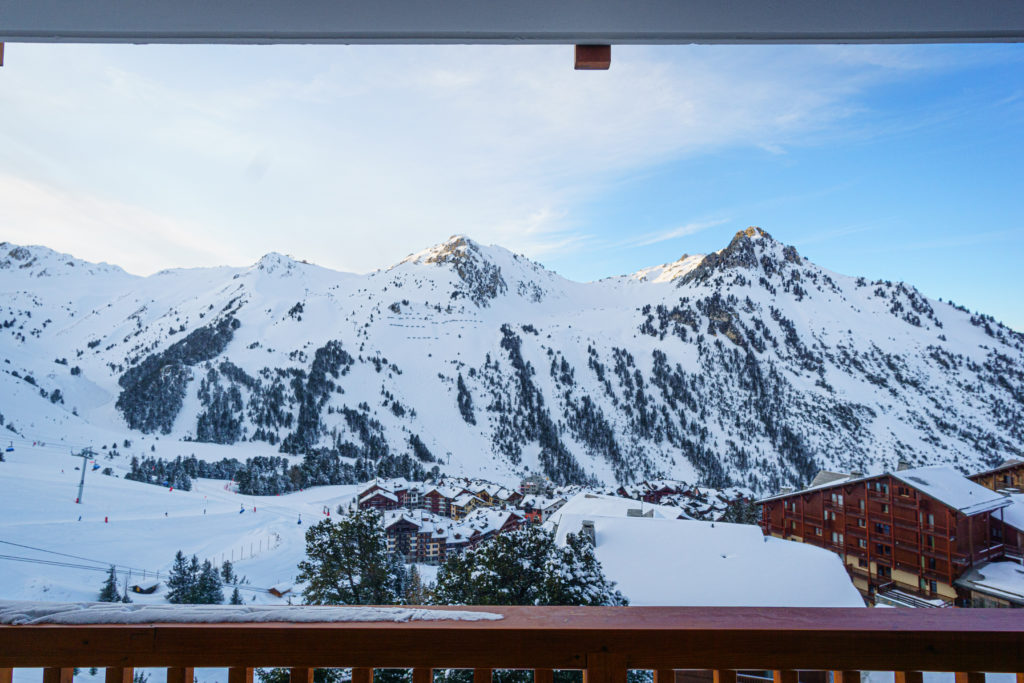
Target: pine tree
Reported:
point(236, 597)
point(347, 563)
point(209, 589)
point(109, 592)
point(183, 579)
point(526, 567)
point(575, 576)
point(227, 572)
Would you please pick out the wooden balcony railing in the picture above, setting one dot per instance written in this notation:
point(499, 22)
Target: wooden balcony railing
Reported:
point(603, 642)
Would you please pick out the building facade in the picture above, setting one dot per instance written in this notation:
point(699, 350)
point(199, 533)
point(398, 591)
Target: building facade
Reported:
point(916, 530)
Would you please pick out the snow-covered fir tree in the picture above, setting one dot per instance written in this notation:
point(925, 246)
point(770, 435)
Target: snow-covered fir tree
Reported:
point(347, 563)
point(109, 592)
point(525, 567)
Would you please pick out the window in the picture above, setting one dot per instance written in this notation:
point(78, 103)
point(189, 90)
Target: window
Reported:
point(792, 525)
point(881, 487)
point(930, 542)
point(933, 587)
point(885, 571)
point(885, 508)
point(861, 562)
point(837, 538)
point(884, 529)
point(861, 523)
point(883, 549)
point(903, 491)
point(840, 499)
point(817, 531)
point(861, 543)
point(861, 505)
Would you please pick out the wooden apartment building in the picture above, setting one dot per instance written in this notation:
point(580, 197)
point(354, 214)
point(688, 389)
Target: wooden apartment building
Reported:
point(916, 530)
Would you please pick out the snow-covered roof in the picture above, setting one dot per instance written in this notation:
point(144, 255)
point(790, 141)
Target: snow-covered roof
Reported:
point(540, 502)
point(443, 491)
point(465, 500)
point(682, 562)
point(1001, 579)
point(486, 520)
point(613, 506)
point(380, 492)
point(948, 486)
point(17, 613)
point(1007, 464)
point(1013, 514)
point(942, 483)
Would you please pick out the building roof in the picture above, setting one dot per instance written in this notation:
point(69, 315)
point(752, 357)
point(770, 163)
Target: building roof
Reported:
point(1009, 464)
point(999, 579)
point(465, 499)
point(613, 506)
point(683, 562)
point(1013, 514)
point(825, 477)
point(948, 486)
point(379, 492)
point(942, 483)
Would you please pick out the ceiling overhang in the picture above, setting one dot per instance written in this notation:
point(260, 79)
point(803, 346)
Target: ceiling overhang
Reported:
point(512, 21)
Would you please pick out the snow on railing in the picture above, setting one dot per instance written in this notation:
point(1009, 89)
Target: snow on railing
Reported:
point(604, 642)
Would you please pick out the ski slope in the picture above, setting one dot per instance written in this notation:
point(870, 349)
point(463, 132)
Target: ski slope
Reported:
point(139, 527)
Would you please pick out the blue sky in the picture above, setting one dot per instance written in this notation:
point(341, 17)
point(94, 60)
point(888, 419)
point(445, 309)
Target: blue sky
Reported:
point(893, 162)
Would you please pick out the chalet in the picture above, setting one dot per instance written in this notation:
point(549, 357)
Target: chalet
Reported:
point(1009, 475)
point(464, 504)
point(379, 499)
point(994, 584)
point(402, 530)
point(538, 509)
point(533, 484)
point(438, 499)
point(508, 496)
point(914, 530)
point(653, 491)
point(484, 524)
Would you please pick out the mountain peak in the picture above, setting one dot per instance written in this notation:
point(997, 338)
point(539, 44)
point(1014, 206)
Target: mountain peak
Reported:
point(749, 249)
point(39, 261)
point(276, 263)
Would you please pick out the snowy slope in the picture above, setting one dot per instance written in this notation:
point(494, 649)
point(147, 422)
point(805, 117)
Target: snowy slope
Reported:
point(749, 366)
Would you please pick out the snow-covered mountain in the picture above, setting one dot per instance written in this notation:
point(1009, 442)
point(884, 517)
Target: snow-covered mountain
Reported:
point(750, 365)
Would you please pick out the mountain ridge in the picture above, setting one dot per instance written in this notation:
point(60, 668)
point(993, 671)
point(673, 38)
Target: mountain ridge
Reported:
point(749, 365)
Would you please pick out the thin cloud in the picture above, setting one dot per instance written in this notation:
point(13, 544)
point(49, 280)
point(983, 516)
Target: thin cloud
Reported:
point(665, 235)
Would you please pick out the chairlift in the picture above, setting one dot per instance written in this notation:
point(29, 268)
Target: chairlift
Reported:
point(95, 466)
point(10, 448)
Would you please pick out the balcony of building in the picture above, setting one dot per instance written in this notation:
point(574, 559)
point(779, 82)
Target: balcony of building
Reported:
point(604, 643)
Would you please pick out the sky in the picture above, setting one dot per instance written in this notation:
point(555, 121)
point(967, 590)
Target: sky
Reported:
point(890, 162)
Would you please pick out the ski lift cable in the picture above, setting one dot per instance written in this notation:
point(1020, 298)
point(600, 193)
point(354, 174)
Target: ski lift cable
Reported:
point(77, 557)
point(117, 570)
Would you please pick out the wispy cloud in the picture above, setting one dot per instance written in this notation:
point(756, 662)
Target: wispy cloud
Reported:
point(137, 239)
point(665, 235)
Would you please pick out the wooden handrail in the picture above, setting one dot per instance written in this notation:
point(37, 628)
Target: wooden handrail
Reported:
point(604, 641)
